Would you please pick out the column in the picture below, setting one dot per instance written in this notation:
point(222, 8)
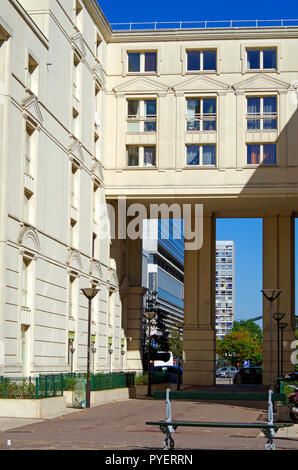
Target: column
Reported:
point(278, 272)
point(135, 306)
point(199, 310)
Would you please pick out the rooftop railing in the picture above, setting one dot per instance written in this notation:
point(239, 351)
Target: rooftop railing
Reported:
point(203, 24)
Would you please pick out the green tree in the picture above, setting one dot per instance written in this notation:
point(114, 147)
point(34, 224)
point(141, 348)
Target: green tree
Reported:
point(239, 346)
point(250, 326)
point(174, 343)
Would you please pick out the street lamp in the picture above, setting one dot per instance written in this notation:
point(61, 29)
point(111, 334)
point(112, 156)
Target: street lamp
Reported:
point(179, 325)
point(149, 317)
point(89, 292)
point(271, 295)
point(282, 326)
point(278, 316)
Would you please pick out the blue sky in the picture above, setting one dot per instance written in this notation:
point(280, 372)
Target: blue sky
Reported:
point(166, 10)
point(242, 231)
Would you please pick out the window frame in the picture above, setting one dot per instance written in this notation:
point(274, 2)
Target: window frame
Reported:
point(200, 164)
point(261, 116)
point(141, 118)
point(141, 156)
point(261, 153)
point(201, 51)
point(261, 50)
point(124, 57)
point(201, 116)
point(142, 53)
point(261, 47)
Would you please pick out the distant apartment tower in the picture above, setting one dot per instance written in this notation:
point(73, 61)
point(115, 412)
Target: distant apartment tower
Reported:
point(225, 287)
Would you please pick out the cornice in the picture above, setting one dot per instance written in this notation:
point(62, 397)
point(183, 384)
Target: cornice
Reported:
point(99, 18)
point(204, 34)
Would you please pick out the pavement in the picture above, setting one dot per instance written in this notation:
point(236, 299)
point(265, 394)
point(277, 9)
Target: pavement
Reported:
point(121, 426)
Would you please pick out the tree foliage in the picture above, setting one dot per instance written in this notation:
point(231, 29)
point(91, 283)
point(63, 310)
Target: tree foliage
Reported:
point(250, 326)
point(174, 343)
point(240, 345)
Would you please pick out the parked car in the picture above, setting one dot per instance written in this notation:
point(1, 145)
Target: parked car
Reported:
point(249, 375)
point(226, 372)
point(171, 370)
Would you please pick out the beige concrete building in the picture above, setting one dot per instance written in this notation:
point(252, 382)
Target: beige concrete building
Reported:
point(89, 115)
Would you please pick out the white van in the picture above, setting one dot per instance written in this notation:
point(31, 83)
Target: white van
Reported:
point(161, 362)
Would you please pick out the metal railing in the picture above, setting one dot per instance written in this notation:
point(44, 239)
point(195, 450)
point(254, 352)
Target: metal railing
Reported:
point(203, 24)
point(100, 381)
point(31, 387)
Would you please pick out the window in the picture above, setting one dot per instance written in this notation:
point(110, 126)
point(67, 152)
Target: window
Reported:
point(141, 115)
point(141, 156)
point(76, 77)
point(261, 153)
point(28, 206)
point(201, 60)
point(98, 44)
point(142, 61)
point(261, 59)
point(32, 75)
point(200, 155)
point(26, 282)
point(29, 148)
point(72, 295)
point(96, 202)
point(78, 15)
point(201, 114)
point(261, 113)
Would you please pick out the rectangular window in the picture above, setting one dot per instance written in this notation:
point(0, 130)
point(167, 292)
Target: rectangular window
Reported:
point(201, 114)
point(201, 155)
point(141, 156)
point(142, 62)
point(201, 60)
point(32, 75)
point(262, 113)
point(261, 59)
point(29, 148)
point(141, 115)
point(261, 153)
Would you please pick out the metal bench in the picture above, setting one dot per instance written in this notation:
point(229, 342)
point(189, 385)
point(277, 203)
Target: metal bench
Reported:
point(169, 426)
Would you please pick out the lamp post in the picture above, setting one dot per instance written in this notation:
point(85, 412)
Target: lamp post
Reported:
point(179, 325)
point(271, 295)
point(282, 326)
point(149, 317)
point(89, 292)
point(278, 316)
point(72, 350)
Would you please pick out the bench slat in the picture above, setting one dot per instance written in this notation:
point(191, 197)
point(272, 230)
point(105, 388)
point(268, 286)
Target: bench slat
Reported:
point(219, 396)
point(220, 425)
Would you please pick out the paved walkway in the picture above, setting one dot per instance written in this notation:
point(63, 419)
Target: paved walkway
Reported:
point(121, 426)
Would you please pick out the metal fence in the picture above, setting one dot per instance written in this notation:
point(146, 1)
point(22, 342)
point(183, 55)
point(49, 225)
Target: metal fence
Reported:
point(53, 385)
point(204, 24)
point(31, 387)
point(100, 381)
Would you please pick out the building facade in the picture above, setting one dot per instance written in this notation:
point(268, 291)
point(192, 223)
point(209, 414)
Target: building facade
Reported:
point(225, 287)
point(51, 187)
point(91, 116)
point(164, 250)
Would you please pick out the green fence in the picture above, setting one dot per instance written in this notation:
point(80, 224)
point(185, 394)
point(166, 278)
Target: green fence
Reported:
point(53, 385)
point(98, 381)
point(156, 378)
point(31, 387)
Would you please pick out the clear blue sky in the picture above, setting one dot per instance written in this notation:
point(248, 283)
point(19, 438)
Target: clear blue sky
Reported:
point(166, 10)
point(242, 231)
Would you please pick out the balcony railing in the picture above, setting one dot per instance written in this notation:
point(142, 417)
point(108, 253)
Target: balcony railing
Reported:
point(203, 24)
